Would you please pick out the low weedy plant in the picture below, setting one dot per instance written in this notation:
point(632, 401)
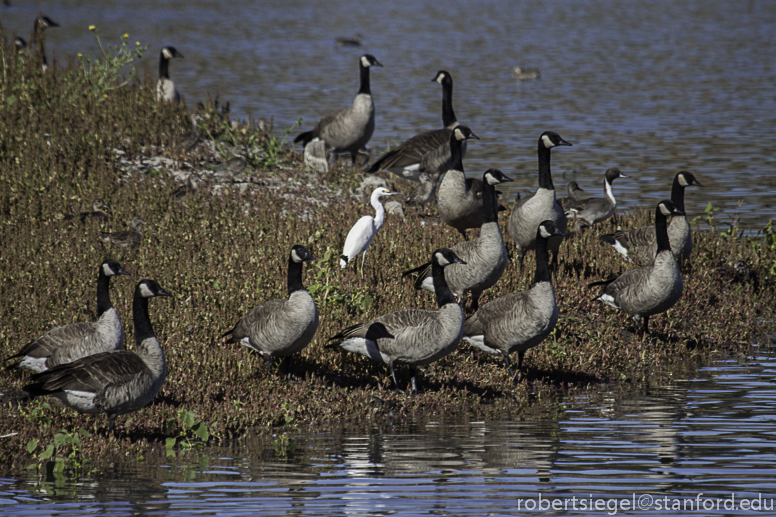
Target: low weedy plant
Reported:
point(225, 251)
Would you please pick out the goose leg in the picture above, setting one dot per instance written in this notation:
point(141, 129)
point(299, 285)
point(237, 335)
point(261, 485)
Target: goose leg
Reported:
point(463, 234)
point(520, 356)
point(393, 374)
point(414, 373)
point(269, 363)
point(508, 363)
point(520, 257)
point(112, 423)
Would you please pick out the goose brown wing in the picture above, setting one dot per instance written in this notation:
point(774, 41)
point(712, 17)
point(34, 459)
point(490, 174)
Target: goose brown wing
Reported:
point(46, 344)
point(494, 310)
point(91, 373)
point(413, 150)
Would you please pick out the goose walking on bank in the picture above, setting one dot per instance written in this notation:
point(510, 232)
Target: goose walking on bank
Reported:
point(429, 151)
point(284, 326)
point(542, 206)
point(594, 210)
point(485, 257)
point(126, 239)
point(413, 336)
point(518, 321)
point(459, 199)
point(642, 242)
point(349, 129)
point(648, 290)
point(165, 87)
point(361, 234)
point(112, 383)
point(70, 342)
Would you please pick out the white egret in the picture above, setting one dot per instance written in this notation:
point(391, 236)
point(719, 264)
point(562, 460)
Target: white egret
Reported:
point(362, 233)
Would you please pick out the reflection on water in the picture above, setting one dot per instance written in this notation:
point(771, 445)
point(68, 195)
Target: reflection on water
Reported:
point(705, 437)
point(649, 87)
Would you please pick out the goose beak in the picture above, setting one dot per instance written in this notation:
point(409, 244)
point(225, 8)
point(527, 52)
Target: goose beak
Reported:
point(163, 292)
point(696, 183)
point(459, 260)
point(473, 136)
point(506, 178)
point(123, 271)
point(377, 63)
point(563, 142)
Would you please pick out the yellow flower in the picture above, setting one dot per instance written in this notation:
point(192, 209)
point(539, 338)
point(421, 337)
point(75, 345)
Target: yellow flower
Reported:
point(105, 95)
point(80, 55)
point(125, 36)
point(92, 27)
point(137, 43)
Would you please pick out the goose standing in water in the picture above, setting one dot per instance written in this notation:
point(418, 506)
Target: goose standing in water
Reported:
point(349, 129)
point(429, 151)
point(594, 210)
point(361, 234)
point(70, 342)
point(522, 320)
point(542, 206)
point(284, 326)
point(648, 290)
point(413, 336)
point(485, 257)
point(642, 242)
point(165, 88)
point(113, 383)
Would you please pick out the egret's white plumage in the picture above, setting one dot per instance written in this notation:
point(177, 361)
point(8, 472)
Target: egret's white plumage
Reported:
point(361, 234)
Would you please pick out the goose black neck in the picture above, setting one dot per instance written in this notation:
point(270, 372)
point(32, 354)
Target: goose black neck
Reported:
point(456, 157)
point(545, 177)
point(489, 206)
point(677, 194)
point(143, 329)
point(661, 231)
point(103, 294)
point(442, 291)
point(364, 71)
point(163, 63)
point(448, 115)
point(294, 276)
point(542, 260)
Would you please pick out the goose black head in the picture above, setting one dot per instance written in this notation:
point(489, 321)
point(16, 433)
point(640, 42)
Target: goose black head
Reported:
point(548, 229)
point(299, 254)
point(461, 133)
point(20, 44)
point(614, 173)
point(686, 179)
point(368, 60)
point(550, 139)
point(442, 77)
point(495, 176)
point(445, 256)
point(149, 288)
point(170, 53)
point(44, 22)
point(111, 267)
point(667, 208)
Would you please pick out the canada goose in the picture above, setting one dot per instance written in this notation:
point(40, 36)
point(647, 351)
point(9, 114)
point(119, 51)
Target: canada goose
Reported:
point(99, 212)
point(70, 342)
point(283, 326)
point(349, 129)
point(37, 39)
point(522, 320)
point(423, 193)
point(648, 290)
point(523, 74)
point(642, 242)
point(412, 336)
point(20, 44)
point(459, 200)
point(542, 206)
point(191, 139)
point(485, 257)
point(428, 151)
point(165, 88)
point(594, 210)
point(361, 234)
point(117, 382)
point(126, 239)
point(572, 188)
point(355, 41)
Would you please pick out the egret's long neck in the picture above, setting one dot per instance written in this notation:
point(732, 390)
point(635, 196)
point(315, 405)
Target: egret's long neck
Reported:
point(379, 212)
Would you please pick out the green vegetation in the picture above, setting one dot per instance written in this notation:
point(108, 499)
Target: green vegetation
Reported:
point(223, 249)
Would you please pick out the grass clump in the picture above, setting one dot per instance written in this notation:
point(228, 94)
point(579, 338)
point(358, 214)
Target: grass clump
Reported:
point(223, 250)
